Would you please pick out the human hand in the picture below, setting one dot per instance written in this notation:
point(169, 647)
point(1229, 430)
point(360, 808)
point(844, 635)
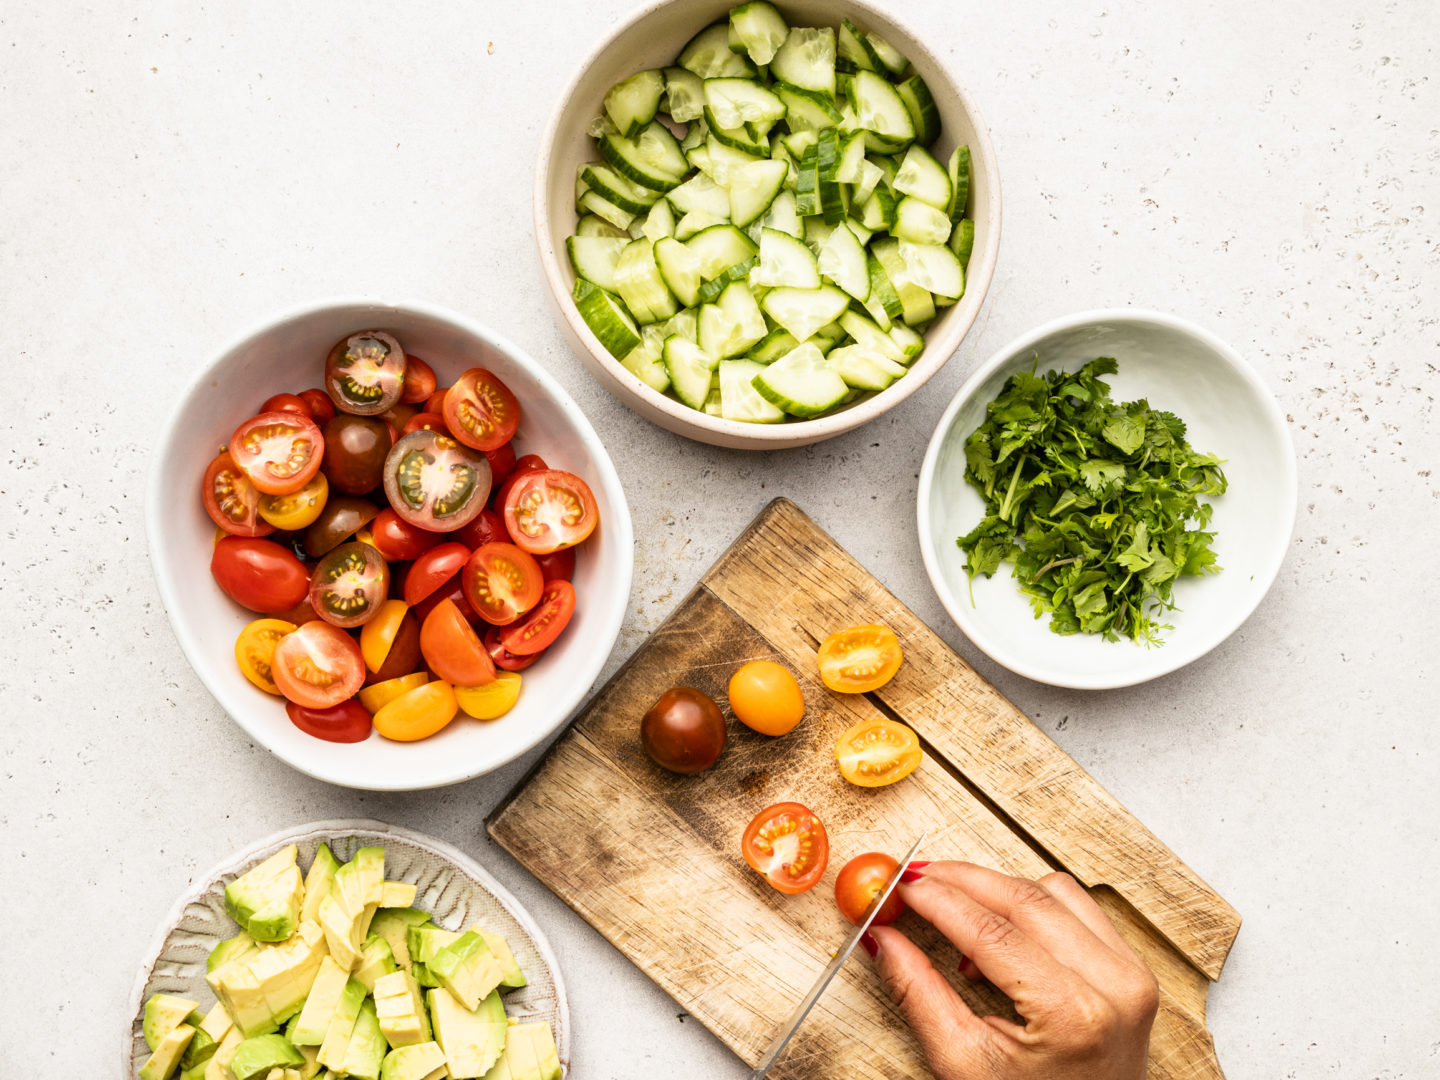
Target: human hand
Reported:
point(1087, 1000)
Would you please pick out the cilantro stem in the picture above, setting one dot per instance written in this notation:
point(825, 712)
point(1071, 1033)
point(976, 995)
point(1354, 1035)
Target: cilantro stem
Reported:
point(1014, 482)
point(1051, 565)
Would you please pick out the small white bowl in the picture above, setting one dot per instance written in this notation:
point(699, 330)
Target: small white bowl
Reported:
point(652, 38)
point(1179, 367)
point(288, 354)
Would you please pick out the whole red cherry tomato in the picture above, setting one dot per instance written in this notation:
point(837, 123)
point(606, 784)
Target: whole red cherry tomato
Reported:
point(486, 528)
point(502, 462)
point(344, 723)
point(396, 538)
point(557, 565)
point(259, 574)
point(288, 403)
point(419, 380)
point(860, 881)
point(321, 407)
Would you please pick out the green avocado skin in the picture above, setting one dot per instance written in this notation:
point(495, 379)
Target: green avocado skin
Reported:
point(257, 1056)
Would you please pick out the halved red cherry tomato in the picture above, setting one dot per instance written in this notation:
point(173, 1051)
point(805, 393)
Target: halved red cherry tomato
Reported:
point(875, 753)
point(344, 723)
point(548, 510)
point(859, 659)
point(365, 373)
point(231, 500)
point(318, 666)
point(419, 381)
point(259, 574)
point(396, 538)
point(539, 629)
point(525, 463)
point(321, 407)
point(481, 411)
point(503, 658)
point(433, 569)
point(425, 421)
point(502, 463)
point(453, 650)
point(279, 451)
point(454, 591)
point(502, 582)
point(485, 528)
point(787, 844)
point(288, 403)
point(434, 482)
point(555, 565)
point(860, 881)
point(350, 585)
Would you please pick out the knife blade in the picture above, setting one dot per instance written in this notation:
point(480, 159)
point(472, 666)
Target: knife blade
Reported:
point(777, 1047)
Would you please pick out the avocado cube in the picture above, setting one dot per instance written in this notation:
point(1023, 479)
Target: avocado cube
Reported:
point(266, 899)
point(217, 1022)
point(397, 894)
point(501, 1071)
point(218, 1067)
point(393, 924)
point(342, 1025)
point(472, 1041)
point(166, 1055)
point(425, 942)
point(376, 960)
point(230, 949)
point(520, 1054)
point(287, 971)
point(500, 948)
point(238, 989)
point(313, 1022)
point(367, 1049)
point(318, 882)
point(403, 1018)
point(163, 1014)
point(193, 1072)
point(202, 1043)
point(341, 925)
point(542, 1039)
point(466, 968)
point(423, 1061)
point(256, 1057)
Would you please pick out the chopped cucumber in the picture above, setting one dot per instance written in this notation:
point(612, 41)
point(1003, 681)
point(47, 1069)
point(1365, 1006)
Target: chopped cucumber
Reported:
point(807, 110)
point(887, 54)
point(959, 175)
point(720, 247)
point(659, 223)
point(870, 337)
point(680, 268)
point(852, 47)
point(733, 323)
point(739, 400)
point(801, 382)
point(842, 261)
point(783, 216)
point(615, 189)
point(595, 257)
point(807, 59)
point(879, 210)
point(700, 193)
point(753, 188)
point(962, 240)
point(593, 225)
point(689, 368)
point(640, 285)
point(832, 197)
point(916, 306)
point(935, 268)
point(870, 177)
point(633, 102)
point(784, 260)
point(860, 368)
point(742, 138)
point(697, 221)
point(923, 111)
point(881, 112)
point(592, 202)
point(644, 361)
point(710, 291)
point(708, 55)
point(923, 177)
point(725, 160)
point(803, 311)
point(734, 102)
point(684, 95)
point(910, 341)
point(773, 346)
point(920, 222)
point(760, 29)
point(653, 158)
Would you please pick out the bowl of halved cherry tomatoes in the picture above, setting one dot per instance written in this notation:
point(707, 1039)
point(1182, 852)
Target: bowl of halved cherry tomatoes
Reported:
point(389, 543)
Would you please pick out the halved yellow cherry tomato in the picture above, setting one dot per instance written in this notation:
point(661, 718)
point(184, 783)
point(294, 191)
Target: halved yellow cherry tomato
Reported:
point(377, 635)
point(765, 696)
point(376, 696)
point(859, 659)
point(299, 509)
point(491, 700)
point(255, 651)
point(419, 713)
point(875, 753)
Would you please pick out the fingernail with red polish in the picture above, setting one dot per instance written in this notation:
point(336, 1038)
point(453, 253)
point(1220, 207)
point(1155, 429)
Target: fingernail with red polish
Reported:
point(910, 874)
point(869, 944)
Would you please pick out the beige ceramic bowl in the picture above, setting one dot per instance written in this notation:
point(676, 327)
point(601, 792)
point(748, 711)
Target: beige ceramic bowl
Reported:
point(652, 38)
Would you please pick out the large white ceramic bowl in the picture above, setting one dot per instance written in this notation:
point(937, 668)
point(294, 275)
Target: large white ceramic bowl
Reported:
point(652, 38)
point(1179, 367)
point(287, 354)
point(452, 887)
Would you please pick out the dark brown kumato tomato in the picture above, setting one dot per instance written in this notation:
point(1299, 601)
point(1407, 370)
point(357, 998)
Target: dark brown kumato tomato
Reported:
point(434, 482)
point(684, 731)
point(341, 518)
point(355, 451)
point(365, 373)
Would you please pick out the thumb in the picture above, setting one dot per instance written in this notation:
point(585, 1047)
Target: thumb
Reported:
point(956, 1042)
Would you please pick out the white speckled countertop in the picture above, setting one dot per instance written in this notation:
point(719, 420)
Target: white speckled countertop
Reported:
point(175, 172)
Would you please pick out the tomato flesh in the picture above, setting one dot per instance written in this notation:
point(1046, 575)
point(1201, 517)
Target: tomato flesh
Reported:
point(403, 656)
point(860, 881)
point(859, 659)
point(452, 649)
point(347, 722)
point(877, 753)
point(502, 582)
point(279, 451)
point(299, 509)
point(546, 510)
point(492, 700)
point(318, 666)
point(545, 622)
point(350, 585)
point(365, 373)
point(231, 500)
point(787, 845)
point(259, 574)
point(435, 483)
point(255, 651)
point(481, 411)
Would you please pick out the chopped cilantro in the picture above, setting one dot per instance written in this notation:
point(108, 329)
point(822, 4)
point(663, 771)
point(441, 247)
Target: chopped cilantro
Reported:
point(1097, 503)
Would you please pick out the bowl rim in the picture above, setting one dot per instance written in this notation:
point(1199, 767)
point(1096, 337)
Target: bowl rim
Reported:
point(334, 828)
point(618, 526)
point(793, 432)
point(1278, 545)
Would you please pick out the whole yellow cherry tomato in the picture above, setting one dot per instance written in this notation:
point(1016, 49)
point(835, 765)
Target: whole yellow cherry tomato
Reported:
point(491, 700)
point(419, 713)
point(378, 634)
point(766, 697)
point(380, 694)
point(255, 651)
point(300, 508)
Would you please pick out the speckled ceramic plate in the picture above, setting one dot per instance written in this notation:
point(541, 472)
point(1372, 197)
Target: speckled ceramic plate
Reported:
point(449, 884)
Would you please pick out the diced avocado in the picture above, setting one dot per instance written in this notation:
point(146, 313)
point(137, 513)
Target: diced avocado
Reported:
point(466, 968)
point(520, 1054)
point(318, 881)
point(403, 1018)
point(397, 894)
point(393, 924)
point(218, 1067)
point(168, 1050)
point(193, 1072)
point(367, 1048)
point(425, 942)
point(341, 924)
point(256, 1057)
point(342, 1024)
point(266, 899)
point(542, 1039)
point(472, 1041)
point(514, 978)
point(361, 883)
point(202, 1043)
point(230, 949)
point(287, 971)
point(501, 1071)
point(163, 1014)
point(217, 1022)
point(313, 1023)
point(423, 1061)
point(376, 959)
point(238, 989)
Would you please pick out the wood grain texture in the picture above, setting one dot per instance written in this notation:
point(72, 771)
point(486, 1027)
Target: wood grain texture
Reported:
point(631, 846)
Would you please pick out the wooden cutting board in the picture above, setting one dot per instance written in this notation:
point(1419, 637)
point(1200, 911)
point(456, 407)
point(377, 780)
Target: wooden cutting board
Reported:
point(652, 860)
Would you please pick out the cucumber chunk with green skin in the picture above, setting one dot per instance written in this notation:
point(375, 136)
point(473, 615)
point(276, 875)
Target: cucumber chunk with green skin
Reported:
point(935, 268)
point(916, 306)
point(807, 110)
point(959, 174)
point(924, 178)
point(733, 323)
point(807, 59)
point(594, 225)
point(700, 193)
point(595, 257)
point(760, 29)
point(697, 221)
point(850, 166)
point(783, 216)
point(880, 111)
point(689, 368)
point(773, 346)
point(842, 262)
point(733, 103)
point(684, 95)
point(871, 337)
point(753, 188)
point(615, 189)
point(659, 223)
point(851, 45)
point(632, 103)
point(923, 111)
point(832, 197)
point(740, 138)
point(890, 57)
point(710, 291)
point(739, 400)
point(910, 342)
point(726, 160)
point(803, 311)
point(640, 285)
point(962, 240)
point(870, 177)
point(879, 210)
point(720, 247)
point(708, 55)
point(859, 368)
point(652, 158)
point(680, 268)
point(644, 361)
point(784, 260)
point(607, 318)
point(918, 221)
point(592, 202)
point(801, 382)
